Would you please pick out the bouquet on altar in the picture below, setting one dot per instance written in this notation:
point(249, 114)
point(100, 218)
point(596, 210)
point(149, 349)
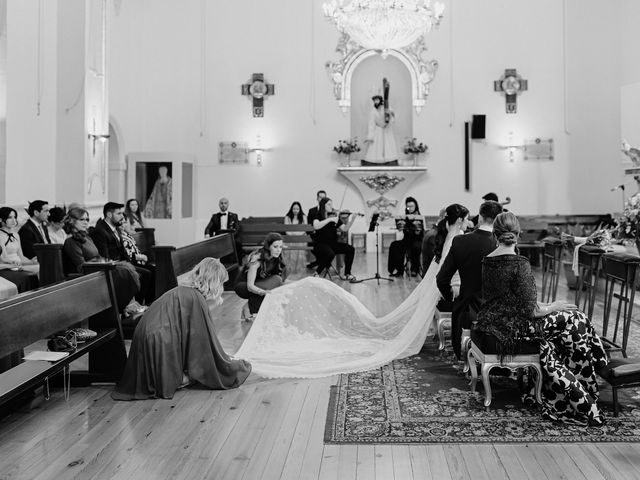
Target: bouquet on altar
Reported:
point(347, 147)
point(627, 227)
point(412, 146)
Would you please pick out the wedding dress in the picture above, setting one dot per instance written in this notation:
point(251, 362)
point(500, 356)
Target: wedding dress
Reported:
point(313, 328)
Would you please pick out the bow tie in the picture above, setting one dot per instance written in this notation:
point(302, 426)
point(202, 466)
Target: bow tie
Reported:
point(10, 238)
point(223, 213)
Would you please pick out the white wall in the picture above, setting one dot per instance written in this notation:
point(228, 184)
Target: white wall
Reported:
point(176, 72)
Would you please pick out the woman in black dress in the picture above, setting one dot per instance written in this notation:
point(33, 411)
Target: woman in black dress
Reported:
point(411, 243)
point(264, 271)
point(325, 244)
point(510, 318)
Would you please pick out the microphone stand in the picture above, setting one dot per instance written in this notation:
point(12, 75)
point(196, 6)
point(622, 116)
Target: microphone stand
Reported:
point(623, 199)
point(377, 276)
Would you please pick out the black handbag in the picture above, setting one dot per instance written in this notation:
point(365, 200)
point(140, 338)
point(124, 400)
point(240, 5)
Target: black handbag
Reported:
point(63, 343)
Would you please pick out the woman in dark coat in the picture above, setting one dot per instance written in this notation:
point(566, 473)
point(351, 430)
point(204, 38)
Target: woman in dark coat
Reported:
point(175, 343)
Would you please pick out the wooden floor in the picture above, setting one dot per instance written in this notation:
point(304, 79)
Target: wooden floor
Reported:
point(267, 429)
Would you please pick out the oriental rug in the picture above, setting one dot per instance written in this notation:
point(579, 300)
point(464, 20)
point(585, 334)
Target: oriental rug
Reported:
point(424, 399)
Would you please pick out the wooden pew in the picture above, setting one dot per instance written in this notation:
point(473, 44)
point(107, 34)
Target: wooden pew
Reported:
point(50, 255)
point(254, 229)
point(33, 316)
point(172, 262)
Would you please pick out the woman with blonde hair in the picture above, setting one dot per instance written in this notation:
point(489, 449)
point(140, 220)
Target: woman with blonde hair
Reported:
point(175, 343)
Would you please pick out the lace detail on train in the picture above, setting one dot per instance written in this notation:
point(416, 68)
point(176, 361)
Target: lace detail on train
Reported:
point(313, 328)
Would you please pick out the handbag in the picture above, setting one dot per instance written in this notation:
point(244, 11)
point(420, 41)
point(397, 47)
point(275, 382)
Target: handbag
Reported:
point(63, 343)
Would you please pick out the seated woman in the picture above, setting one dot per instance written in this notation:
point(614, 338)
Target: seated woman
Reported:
point(55, 225)
point(175, 343)
point(510, 318)
point(132, 216)
point(411, 243)
point(265, 270)
point(326, 243)
point(79, 248)
point(295, 216)
point(14, 266)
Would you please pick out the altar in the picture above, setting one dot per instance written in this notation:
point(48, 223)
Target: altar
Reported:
point(383, 190)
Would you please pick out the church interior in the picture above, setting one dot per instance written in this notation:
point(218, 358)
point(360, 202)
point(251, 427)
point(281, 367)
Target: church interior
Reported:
point(536, 101)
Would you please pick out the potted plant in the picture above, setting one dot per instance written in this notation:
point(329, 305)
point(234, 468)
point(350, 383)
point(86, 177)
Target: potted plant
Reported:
point(413, 148)
point(347, 147)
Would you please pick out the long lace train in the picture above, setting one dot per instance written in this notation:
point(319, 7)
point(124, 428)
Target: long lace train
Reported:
point(313, 328)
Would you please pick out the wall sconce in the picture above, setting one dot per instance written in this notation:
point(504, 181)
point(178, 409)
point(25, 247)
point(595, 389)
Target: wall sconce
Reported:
point(258, 150)
point(512, 147)
point(97, 138)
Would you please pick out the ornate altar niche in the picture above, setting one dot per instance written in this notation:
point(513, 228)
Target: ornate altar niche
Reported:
point(383, 190)
point(163, 185)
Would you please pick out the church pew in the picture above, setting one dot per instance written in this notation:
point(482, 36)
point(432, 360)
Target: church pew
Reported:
point(254, 229)
point(33, 316)
point(50, 255)
point(172, 262)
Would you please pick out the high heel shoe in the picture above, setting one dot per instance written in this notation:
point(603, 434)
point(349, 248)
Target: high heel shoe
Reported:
point(246, 313)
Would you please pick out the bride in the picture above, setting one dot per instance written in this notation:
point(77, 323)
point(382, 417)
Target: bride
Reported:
point(313, 328)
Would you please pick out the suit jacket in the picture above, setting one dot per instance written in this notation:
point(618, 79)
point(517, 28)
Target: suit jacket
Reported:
point(108, 243)
point(311, 216)
point(30, 235)
point(213, 227)
point(465, 257)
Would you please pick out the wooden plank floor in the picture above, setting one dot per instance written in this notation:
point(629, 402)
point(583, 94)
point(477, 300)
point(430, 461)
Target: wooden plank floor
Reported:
point(267, 429)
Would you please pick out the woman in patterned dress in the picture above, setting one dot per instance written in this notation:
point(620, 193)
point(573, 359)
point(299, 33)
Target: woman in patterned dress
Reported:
point(570, 350)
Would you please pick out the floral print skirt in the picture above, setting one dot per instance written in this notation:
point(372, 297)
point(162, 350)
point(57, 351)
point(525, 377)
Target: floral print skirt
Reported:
point(570, 354)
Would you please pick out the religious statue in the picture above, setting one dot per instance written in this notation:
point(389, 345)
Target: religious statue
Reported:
point(380, 137)
point(159, 202)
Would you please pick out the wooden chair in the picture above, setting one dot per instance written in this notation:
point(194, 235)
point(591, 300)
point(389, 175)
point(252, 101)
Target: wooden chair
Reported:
point(620, 271)
point(588, 274)
point(532, 231)
point(483, 352)
point(551, 264)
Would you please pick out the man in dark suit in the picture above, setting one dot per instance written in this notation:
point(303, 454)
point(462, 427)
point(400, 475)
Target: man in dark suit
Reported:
point(313, 215)
point(34, 230)
point(225, 221)
point(465, 257)
point(109, 243)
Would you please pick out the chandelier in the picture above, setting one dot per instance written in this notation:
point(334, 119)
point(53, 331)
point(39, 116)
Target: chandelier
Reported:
point(384, 24)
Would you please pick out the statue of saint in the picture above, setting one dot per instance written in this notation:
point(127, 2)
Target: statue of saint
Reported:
point(159, 202)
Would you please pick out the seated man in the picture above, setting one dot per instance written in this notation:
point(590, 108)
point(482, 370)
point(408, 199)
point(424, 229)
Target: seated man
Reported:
point(34, 230)
point(225, 221)
point(107, 239)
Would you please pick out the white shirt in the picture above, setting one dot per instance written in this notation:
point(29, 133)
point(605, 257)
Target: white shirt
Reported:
point(224, 216)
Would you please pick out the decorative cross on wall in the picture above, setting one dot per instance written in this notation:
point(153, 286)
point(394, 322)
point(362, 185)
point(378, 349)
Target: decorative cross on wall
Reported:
point(511, 84)
point(257, 88)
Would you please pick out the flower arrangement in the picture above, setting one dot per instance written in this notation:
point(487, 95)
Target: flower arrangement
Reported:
point(412, 146)
point(627, 227)
point(347, 147)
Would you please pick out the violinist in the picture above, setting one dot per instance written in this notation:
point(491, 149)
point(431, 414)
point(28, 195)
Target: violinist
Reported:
point(326, 244)
point(411, 244)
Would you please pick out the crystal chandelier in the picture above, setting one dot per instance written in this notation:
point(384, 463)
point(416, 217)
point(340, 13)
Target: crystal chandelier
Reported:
point(384, 24)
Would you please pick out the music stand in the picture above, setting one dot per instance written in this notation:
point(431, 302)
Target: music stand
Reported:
point(373, 226)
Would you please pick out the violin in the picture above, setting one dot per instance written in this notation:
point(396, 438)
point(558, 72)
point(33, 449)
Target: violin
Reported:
point(344, 212)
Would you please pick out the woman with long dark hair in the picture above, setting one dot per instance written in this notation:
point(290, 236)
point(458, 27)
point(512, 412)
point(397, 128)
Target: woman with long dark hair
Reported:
point(133, 217)
point(295, 216)
point(265, 270)
point(411, 242)
point(326, 245)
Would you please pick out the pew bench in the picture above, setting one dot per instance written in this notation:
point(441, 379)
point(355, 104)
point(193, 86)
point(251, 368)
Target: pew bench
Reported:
point(172, 262)
point(254, 229)
point(33, 316)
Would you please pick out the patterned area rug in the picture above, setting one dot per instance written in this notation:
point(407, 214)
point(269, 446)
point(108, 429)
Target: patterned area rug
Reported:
point(423, 399)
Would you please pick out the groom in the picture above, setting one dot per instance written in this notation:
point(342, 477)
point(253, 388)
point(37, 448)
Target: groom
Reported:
point(465, 257)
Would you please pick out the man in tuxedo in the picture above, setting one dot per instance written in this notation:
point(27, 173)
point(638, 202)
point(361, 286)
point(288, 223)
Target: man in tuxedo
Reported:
point(109, 243)
point(313, 215)
point(225, 221)
point(465, 257)
point(34, 230)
